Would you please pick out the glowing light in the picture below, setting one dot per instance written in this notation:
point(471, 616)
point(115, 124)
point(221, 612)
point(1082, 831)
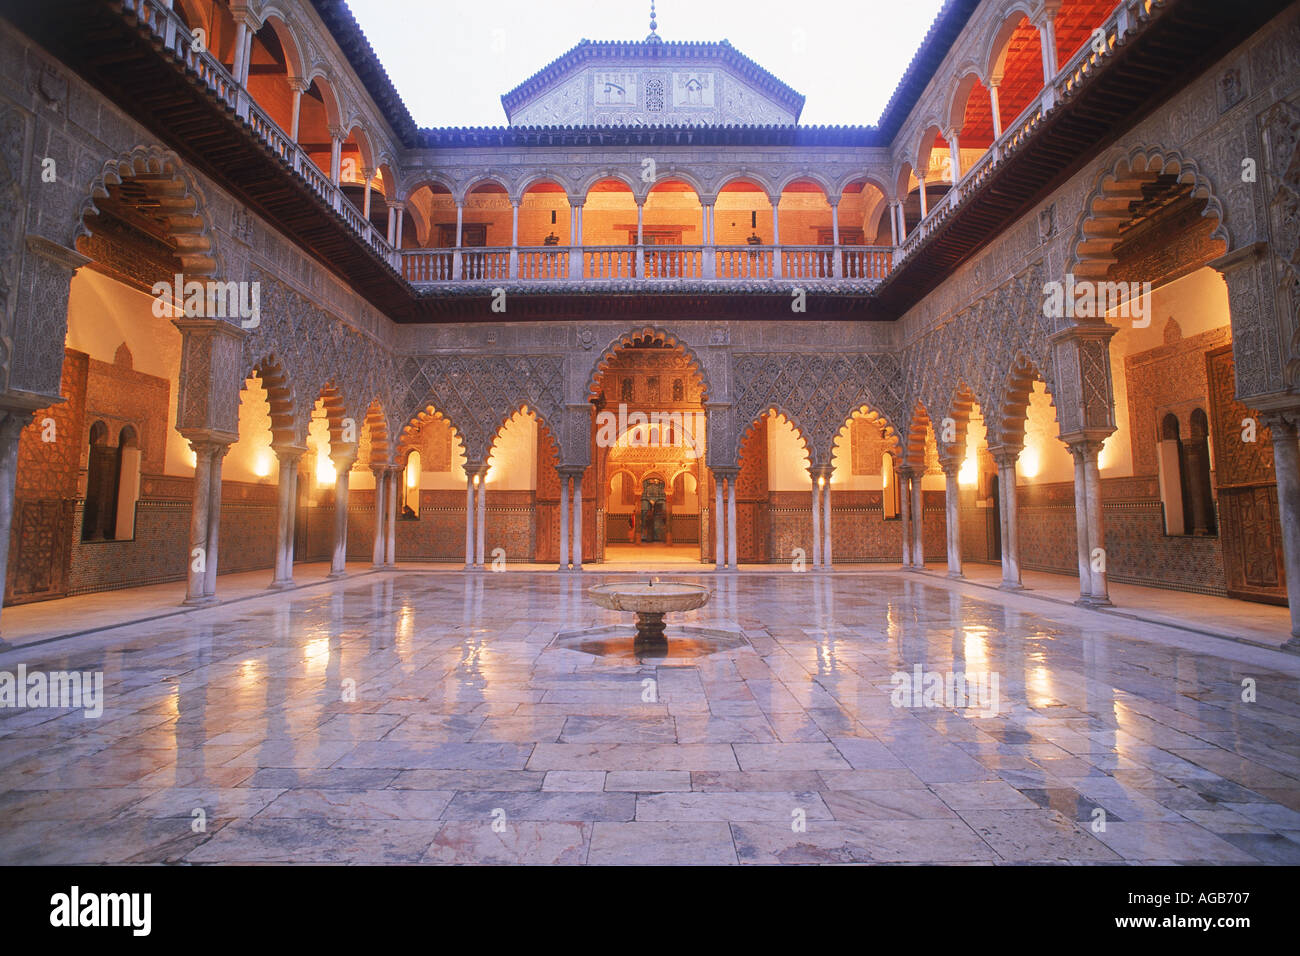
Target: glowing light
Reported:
point(968, 474)
point(821, 481)
point(324, 469)
point(1103, 456)
point(1029, 462)
point(262, 463)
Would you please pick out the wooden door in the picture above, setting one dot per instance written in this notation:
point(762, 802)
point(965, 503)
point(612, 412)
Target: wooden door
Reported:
point(1250, 529)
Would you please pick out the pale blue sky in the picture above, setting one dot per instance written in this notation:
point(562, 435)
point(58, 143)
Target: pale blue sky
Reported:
point(452, 59)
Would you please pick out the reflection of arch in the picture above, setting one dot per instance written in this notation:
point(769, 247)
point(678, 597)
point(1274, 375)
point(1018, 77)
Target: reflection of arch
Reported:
point(1105, 213)
point(176, 201)
point(651, 334)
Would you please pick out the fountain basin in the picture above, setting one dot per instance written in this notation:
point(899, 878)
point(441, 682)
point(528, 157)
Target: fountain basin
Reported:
point(650, 602)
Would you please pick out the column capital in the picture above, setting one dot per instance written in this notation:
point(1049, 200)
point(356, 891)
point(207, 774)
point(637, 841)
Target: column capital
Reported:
point(1084, 447)
point(297, 84)
point(338, 133)
point(1281, 421)
point(288, 453)
point(1046, 13)
point(725, 471)
point(951, 464)
point(398, 204)
point(1006, 456)
point(206, 443)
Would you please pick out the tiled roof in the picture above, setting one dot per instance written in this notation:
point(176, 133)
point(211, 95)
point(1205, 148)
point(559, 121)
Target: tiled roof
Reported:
point(943, 33)
point(361, 55)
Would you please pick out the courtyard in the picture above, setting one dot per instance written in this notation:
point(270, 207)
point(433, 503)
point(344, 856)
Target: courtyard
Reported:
point(426, 716)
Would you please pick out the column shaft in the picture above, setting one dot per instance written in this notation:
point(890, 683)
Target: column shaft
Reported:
point(731, 523)
point(816, 525)
point(196, 579)
point(564, 522)
point(1286, 467)
point(480, 523)
point(952, 518)
point(469, 521)
point(719, 523)
point(918, 522)
point(577, 508)
point(339, 565)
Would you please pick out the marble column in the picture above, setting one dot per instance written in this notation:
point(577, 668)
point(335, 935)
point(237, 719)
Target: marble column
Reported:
point(577, 520)
point(390, 536)
point(480, 521)
point(952, 514)
point(1283, 428)
point(214, 519)
point(469, 520)
point(11, 426)
point(381, 510)
point(564, 521)
point(732, 563)
point(719, 524)
point(1088, 522)
point(918, 521)
point(1008, 526)
point(288, 457)
point(904, 477)
point(196, 579)
point(816, 523)
point(826, 524)
point(339, 564)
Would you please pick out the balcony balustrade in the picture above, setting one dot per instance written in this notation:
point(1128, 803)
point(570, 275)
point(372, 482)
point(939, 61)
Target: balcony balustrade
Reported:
point(648, 264)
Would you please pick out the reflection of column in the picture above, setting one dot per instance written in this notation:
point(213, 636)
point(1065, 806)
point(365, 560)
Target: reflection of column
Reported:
point(952, 514)
point(816, 523)
point(1286, 467)
point(381, 509)
point(577, 517)
point(1007, 505)
point(469, 520)
point(11, 426)
point(287, 492)
point(826, 524)
point(719, 522)
point(904, 477)
point(918, 520)
point(564, 521)
point(731, 522)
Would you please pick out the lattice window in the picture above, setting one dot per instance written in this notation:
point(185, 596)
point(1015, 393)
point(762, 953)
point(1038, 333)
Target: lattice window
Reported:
point(654, 96)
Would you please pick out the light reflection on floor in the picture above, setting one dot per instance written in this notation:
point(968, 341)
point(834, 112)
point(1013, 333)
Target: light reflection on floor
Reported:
point(386, 719)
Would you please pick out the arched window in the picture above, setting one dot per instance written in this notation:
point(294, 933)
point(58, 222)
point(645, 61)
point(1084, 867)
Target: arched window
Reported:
point(1169, 461)
point(410, 509)
point(128, 484)
point(100, 486)
point(1196, 460)
point(888, 486)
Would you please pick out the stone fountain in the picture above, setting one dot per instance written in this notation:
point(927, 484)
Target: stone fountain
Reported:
point(650, 601)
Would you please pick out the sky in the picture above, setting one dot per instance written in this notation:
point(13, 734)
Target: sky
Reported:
point(452, 59)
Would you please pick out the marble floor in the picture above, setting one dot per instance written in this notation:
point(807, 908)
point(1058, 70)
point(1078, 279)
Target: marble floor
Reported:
point(429, 717)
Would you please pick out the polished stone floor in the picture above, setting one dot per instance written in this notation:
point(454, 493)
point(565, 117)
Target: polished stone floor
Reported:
point(469, 735)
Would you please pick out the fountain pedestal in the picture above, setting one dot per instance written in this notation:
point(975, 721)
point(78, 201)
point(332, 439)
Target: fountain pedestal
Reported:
point(650, 602)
